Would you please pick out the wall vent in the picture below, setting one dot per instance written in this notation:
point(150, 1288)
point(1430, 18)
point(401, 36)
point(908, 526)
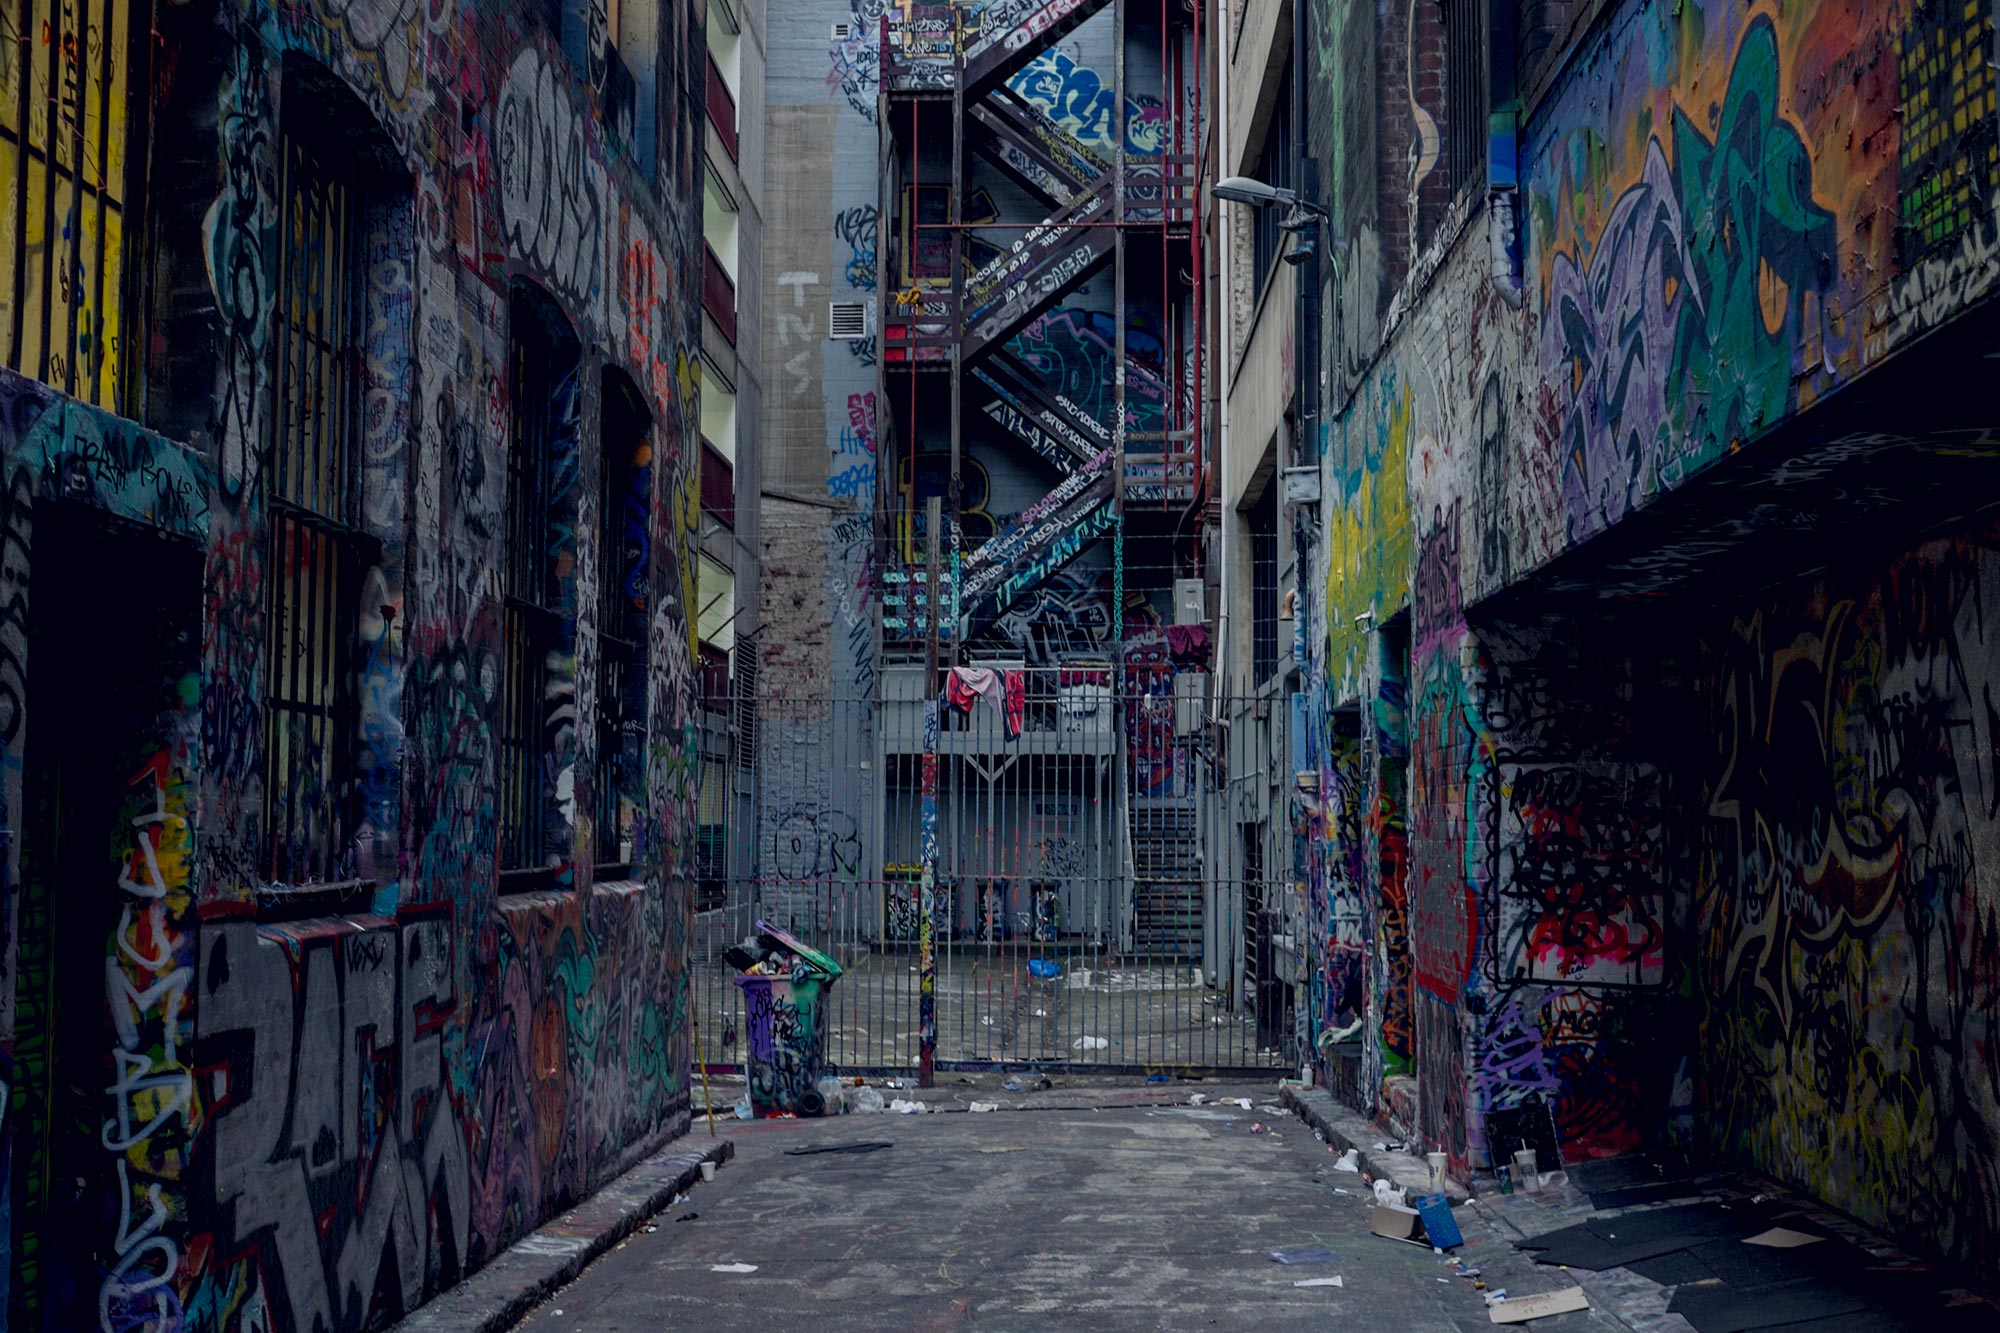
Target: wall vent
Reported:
point(847, 319)
point(843, 32)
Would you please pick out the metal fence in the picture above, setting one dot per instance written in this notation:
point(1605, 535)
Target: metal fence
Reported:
point(1112, 891)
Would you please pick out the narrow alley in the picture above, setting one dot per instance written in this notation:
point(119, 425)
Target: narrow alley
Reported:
point(1127, 598)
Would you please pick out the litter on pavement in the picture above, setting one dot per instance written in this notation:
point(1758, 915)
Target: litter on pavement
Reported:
point(1319, 1282)
point(1522, 1309)
point(732, 1268)
point(1311, 1254)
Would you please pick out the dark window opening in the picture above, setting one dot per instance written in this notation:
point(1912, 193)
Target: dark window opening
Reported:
point(542, 365)
point(1465, 113)
point(332, 162)
point(1264, 586)
point(624, 561)
point(1274, 166)
point(68, 112)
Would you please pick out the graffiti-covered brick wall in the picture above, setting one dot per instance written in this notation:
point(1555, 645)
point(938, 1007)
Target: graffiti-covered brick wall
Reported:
point(1718, 266)
point(1847, 901)
point(330, 1068)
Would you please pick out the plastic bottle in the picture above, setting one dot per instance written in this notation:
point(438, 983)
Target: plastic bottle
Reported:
point(832, 1096)
point(866, 1101)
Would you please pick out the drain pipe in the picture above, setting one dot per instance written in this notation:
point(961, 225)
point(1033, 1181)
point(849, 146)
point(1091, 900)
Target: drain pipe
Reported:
point(1225, 376)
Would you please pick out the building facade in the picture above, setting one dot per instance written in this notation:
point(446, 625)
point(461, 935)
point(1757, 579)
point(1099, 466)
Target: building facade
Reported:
point(348, 877)
point(1646, 661)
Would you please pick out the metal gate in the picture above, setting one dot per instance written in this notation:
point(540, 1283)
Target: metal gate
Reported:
point(1117, 882)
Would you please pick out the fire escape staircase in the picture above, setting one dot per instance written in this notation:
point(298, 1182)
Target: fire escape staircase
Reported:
point(1047, 263)
point(1054, 532)
point(1015, 33)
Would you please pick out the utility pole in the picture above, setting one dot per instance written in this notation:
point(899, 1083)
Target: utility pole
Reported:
point(927, 881)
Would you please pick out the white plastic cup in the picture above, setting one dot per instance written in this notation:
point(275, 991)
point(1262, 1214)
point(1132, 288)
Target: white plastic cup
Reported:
point(1437, 1161)
point(708, 1170)
point(1524, 1170)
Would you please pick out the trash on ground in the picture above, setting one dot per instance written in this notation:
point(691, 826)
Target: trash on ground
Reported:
point(1319, 1282)
point(1243, 1102)
point(1158, 1078)
point(980, 1108)
point(1044, 967)
point(1090, 1044)
point(1783, 1238)
point(901, 1107)
point(1387, 1193)
point(1257, 1129)
point(1196, 1099)
point(1310, 1254)
point(1395, 1221)
point(1520, 1311)
point(1338, 1190)
point(862, 1145)
point(1348, 1161)
point(732, 1268)
point(867, 1101)
point(684, 1217)
point(1011, 1085)
point(1439, 1224)
point(742, 1109)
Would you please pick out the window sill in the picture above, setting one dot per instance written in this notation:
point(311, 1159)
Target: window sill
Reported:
point(348, 897)
point(533, 881)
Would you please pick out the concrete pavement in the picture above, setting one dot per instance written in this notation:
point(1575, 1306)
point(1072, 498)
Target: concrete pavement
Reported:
point(1072, 1217)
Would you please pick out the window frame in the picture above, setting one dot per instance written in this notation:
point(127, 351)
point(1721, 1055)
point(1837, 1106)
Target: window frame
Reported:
point(131, 105)
point(536, 627)
point(336, 171)
point(623, 659)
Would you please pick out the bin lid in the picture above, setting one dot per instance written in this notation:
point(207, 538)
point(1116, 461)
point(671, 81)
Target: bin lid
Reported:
point(804, 956)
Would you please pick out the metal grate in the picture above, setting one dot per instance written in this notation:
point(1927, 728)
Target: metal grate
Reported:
point(623, 555)
point(1093, 906)
point(1465, 95)
point(541, 381)
point(63, 170)
point(310, 714)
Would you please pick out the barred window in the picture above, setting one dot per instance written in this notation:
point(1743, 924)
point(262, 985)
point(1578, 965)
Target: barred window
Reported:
point(624, 544)
point(332, 164)
point(535, 687)
point(66, 76)
point(1465, 111)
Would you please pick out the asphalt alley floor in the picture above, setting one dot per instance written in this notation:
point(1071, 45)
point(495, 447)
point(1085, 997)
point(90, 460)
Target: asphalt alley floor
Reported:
point(1122, 1218)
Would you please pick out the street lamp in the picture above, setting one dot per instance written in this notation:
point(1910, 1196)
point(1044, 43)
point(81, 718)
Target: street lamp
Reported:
point(1257, 194)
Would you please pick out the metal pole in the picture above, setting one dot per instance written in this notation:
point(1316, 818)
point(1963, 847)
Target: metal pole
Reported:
point(927, 882)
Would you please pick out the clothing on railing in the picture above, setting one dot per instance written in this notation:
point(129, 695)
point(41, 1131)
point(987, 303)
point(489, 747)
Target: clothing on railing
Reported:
point(1005, 690)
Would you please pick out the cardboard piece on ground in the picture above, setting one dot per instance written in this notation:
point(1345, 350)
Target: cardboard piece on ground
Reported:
point(1520, 1309)
point(1319, 1282)
point(1783, 1238)
point(1439, 1224)
point(1394, 1221)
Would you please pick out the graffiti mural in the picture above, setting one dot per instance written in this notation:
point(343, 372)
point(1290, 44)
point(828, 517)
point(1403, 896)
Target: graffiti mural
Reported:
point(319, 1108)
point(1849, 923)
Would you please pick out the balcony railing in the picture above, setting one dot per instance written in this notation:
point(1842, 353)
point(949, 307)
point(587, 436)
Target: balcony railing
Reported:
point(721, 108)
point(712, 678)
point(718, 293)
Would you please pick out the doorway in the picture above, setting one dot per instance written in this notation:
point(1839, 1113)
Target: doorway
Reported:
point(113, 636)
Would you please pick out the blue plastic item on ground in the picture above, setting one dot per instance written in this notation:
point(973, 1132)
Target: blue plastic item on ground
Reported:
point(1439, 1224)
point(1044, 967)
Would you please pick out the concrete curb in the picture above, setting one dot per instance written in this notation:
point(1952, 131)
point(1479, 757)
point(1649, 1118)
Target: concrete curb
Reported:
point(498, 1295)
point(1345, 1129)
